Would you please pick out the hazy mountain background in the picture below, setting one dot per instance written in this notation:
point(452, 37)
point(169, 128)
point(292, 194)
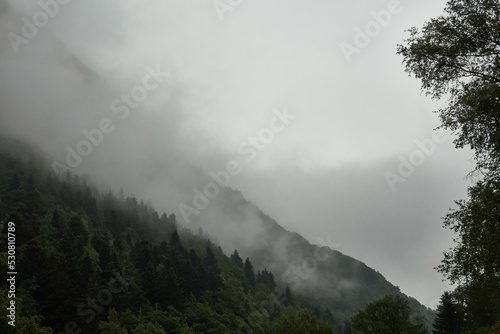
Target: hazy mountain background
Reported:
point(322, 177)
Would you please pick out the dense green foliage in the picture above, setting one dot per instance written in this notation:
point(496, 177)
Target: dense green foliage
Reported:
point(389, 315)
point(458, 55)
point(301, 322)
point(98, 263)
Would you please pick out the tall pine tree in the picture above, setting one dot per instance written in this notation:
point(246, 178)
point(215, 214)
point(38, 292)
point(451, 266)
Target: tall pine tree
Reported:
point(249, 273)
point(448, 319)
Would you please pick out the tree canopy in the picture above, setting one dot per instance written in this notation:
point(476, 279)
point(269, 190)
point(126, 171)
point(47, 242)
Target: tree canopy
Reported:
point(301, 322)
point(457, 55)
point(389, 315)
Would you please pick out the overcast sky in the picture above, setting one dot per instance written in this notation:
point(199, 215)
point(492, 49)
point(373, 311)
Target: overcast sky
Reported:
point(354, 113)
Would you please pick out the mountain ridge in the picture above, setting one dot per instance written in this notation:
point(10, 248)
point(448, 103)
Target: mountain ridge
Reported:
point(339, 281)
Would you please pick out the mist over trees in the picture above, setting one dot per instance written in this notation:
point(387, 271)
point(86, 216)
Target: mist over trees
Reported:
point(95, 261)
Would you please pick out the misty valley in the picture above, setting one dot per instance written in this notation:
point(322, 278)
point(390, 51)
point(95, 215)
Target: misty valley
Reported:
point(250, 167)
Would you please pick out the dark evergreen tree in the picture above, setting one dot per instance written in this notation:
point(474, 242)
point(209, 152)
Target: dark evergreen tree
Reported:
point(90, 269)
point(237, 259)
point(211, 261)
point(141, 255)
point(118, 243)
point(249, 273)
point(163, 248)
point(173, 293)
point(196, 275)
point(267, 278)
point(214, 280)
point(32, 259)
point(175, 240)
point(101, 242)
point(448, 319)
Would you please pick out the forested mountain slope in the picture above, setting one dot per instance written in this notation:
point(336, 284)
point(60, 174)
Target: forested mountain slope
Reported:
point(320, 276)
point(94, 262)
